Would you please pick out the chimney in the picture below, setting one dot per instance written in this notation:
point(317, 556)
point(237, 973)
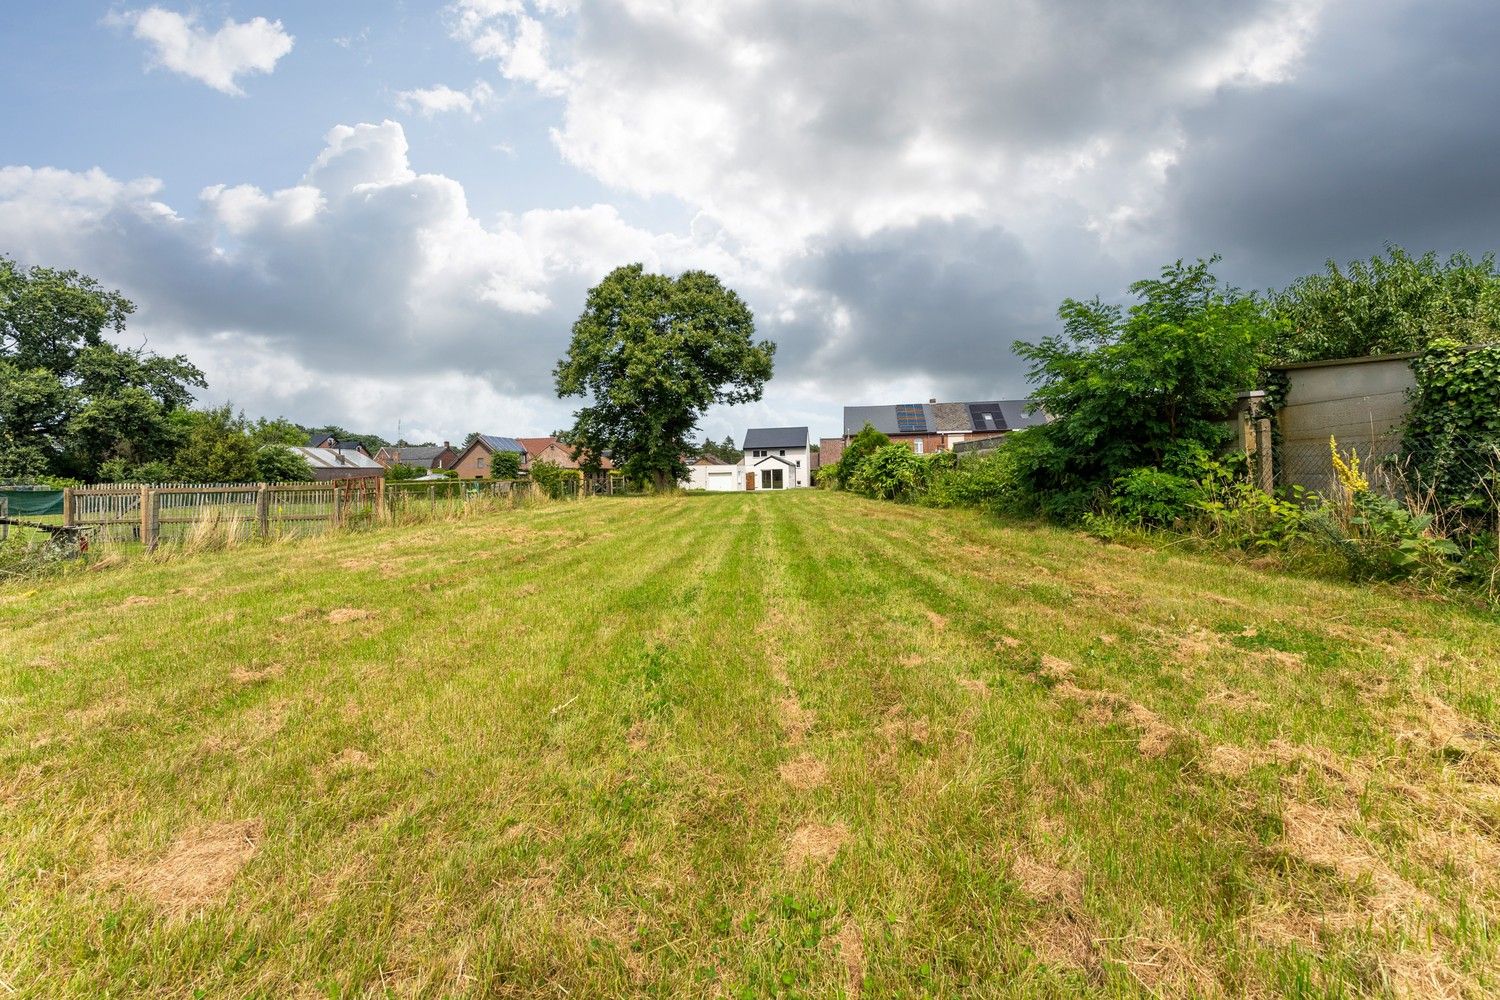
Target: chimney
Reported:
point(933, 400)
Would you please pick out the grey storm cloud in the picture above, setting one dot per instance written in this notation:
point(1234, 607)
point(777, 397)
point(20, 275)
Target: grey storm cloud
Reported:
point(898, 192)
point(1389, 134)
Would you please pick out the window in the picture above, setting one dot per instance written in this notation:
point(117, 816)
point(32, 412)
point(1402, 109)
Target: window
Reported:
point(781, 452)
point(770, 479)
point(917, 445)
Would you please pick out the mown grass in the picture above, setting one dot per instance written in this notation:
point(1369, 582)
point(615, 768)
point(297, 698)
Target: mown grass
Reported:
point(797, 744)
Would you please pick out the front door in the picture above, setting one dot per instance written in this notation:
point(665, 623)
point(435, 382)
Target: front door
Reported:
point(750, 480)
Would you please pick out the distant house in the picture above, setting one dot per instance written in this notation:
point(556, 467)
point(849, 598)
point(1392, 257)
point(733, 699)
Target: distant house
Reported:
point(421, 456)
point(554, 452)
point(777, 458)
point(474, 461)
point(934, 426)
point(332, 443)
point(340, 463)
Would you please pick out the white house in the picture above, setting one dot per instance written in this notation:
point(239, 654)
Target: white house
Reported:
point(777, 458)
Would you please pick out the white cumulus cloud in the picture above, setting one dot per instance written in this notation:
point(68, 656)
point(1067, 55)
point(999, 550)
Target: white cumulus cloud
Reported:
point(180, 44)
point(442, 99)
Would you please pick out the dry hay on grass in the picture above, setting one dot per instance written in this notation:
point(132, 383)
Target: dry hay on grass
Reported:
point(1320, 836)
point(339, 616)
point(1046, 883)
point(899, 727)
point(938, 622)
point(804, 773)
point(974, 686)
point(1066, 939)
point(1155, 736)
point(254, 675)
point(136, 601)
point(815, 843)
point(851, 952)
point(1008, 641)
point(795, 720)
point(197, 869)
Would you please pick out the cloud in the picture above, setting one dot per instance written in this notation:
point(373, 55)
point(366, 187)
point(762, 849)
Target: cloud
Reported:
point(789, 122)
point(502, 31)
point(180, 44)
point(430, 101)
point(366, 273)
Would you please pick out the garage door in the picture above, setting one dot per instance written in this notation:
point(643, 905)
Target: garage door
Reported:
point(721, 481)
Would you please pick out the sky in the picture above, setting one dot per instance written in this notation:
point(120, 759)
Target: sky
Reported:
point(386, 215)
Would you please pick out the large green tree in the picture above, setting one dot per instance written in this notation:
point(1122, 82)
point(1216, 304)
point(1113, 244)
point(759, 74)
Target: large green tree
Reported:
point(651, 353)
point(70, 399)
point(1151, 385)
point(1392, 303)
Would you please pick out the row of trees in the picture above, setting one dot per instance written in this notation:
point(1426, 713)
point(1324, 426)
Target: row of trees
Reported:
point(75, 405)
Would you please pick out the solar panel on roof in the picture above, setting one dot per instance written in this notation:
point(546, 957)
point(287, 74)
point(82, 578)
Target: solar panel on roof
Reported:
point(987, 417)
point(911, 418)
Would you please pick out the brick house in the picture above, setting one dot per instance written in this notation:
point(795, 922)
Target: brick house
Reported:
point(933, 426)
point(419, 456)
point(474, 461)
point(550, 449)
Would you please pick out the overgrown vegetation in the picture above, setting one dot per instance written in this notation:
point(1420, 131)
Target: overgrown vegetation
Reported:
point(1140, 400)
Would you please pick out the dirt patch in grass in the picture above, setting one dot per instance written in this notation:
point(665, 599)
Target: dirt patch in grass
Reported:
point(199, 867)
point(795, 720)
point(339, 616)
point(804, 773)
point(815, 843)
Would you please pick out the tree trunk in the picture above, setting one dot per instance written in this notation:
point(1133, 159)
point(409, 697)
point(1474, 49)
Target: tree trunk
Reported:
point(661, 480)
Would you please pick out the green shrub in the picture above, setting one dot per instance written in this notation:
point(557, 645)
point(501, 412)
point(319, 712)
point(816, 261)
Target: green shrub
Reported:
point(1141, 387)
point(505, 465)
point(1451, 442)
point(860, 446)
point(993, 482)
point(1151, 496)
point(551, 479)
point(890, 472)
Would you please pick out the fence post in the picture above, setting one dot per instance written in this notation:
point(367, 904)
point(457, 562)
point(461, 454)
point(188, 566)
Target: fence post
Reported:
point(379, 497)
point(338, 496)
point(1265, 467)
point(150, 518)
point(263, 510)
point(68, 506)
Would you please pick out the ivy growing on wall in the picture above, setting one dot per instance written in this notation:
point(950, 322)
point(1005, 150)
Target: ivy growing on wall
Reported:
point(1452, 435)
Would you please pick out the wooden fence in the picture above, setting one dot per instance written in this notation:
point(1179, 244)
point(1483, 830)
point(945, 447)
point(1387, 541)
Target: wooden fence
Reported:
point(149, 514)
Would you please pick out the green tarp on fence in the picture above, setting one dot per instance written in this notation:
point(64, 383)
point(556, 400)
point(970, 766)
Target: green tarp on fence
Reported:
point(31, 503)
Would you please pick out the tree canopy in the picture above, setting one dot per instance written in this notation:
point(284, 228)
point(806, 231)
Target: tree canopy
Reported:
point(651, 353)
point(70, 400)
point(1147, 386)
point(1391, 304)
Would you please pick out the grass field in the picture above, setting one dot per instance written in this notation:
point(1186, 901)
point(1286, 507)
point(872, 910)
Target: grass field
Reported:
point(796, 744)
